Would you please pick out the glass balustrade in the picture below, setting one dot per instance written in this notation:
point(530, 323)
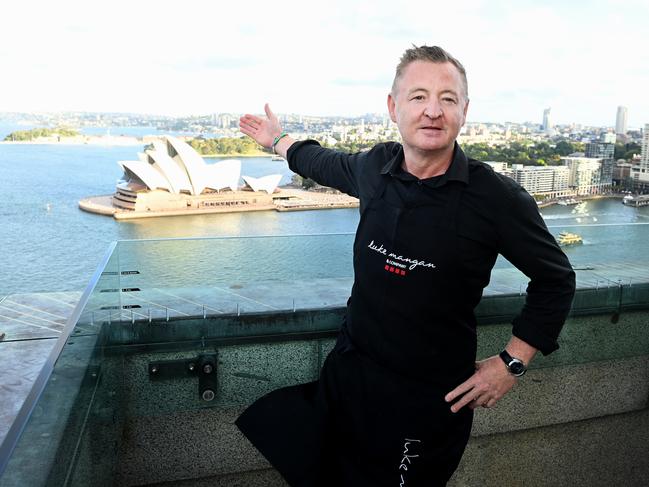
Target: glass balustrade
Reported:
point(179, 335)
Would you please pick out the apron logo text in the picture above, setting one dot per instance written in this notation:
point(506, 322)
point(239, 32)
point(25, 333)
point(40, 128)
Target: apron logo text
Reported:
point(413, 262)
point(407, 459)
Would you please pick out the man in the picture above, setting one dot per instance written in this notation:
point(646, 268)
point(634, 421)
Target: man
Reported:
point(394, 402)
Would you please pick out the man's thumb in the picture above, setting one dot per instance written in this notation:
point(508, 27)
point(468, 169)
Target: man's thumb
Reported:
point(268, 111)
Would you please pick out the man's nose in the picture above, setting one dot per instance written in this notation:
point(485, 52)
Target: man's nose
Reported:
point(433, 109)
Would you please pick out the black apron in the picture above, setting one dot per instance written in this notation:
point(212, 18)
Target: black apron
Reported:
point(377, 416)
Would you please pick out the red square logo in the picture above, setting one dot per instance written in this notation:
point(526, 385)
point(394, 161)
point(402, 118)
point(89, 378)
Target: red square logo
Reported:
point(391, 269)
point(387, 267)
point(403, 273)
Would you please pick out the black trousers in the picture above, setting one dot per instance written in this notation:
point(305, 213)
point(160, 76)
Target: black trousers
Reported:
point(359, 425)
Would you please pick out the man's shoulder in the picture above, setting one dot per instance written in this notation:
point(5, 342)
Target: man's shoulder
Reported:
point(379, 155)
point(386, 150)
point(483, 175)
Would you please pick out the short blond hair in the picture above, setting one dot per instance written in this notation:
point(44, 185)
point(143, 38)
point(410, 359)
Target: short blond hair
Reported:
point(433, 54)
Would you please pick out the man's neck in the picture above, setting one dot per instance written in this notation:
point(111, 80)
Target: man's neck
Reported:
point(425, 165)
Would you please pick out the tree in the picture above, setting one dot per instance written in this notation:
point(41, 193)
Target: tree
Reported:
point(564, 148)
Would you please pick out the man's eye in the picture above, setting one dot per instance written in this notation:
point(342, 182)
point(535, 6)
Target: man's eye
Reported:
point(449, 100)
point(418, 97)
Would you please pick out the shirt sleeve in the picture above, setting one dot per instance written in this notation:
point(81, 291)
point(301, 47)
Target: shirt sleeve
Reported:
point(525, 241)
point(326, 166)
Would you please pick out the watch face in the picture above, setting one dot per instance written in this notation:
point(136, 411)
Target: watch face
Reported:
point(516, 367)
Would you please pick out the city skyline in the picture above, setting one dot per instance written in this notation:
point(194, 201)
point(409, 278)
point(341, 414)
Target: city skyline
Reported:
point(154, 57)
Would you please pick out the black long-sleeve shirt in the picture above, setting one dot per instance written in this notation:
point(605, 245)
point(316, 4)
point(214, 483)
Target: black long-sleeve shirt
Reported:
point(495, 216)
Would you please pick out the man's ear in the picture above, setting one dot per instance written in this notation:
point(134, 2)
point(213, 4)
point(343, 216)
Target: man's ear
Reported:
point(392, 108)
point(466, 108)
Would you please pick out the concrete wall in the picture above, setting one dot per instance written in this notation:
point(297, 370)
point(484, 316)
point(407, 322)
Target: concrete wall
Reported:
point(580, 417)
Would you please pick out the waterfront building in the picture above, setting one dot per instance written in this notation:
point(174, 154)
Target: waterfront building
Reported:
point(604, 151)
point(172, 178)
point(584, 176)
point(622, 177)
point(547, 182)
point(640, 173)
point(499, 167)
point(621, 120)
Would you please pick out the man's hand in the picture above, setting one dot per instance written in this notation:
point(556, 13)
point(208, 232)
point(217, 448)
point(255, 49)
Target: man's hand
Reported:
point(261, 130)
point(485, 387)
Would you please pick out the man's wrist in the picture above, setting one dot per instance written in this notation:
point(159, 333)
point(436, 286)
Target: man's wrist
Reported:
point(282, 146)
point(276, 140)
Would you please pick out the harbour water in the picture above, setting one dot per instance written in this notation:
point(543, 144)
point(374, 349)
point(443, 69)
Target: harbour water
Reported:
point(48, 244)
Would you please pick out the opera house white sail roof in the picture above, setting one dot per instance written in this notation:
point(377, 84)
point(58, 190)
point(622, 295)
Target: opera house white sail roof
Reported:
point(266, 183)
point(174, 166)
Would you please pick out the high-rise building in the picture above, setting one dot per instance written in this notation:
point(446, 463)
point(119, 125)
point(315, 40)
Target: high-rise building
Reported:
point(585, 173)
point(225, 120)
point(604, 151)
point(547, 120)
point(621, 120)
point(644, 156)
point(640, 174)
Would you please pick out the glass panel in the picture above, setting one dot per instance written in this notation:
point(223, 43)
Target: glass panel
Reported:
point(46, 451)
point(180, 278)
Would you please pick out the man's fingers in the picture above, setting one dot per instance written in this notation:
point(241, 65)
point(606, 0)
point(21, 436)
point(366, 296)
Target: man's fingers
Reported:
point(251, 119)
point(459, 390)
point(248, 125)
point(245, 130)
point(466, 399)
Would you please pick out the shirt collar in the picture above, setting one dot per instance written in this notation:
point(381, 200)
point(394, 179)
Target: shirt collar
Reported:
point(457, 171)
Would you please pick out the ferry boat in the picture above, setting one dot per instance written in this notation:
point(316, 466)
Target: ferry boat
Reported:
point(637, 200)
point(567, 238)
point(568, 202)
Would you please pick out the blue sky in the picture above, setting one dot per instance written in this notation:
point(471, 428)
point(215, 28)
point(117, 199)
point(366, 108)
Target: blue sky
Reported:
point(582, 58)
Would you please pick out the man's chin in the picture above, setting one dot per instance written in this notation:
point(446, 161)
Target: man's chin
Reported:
point(432, 145)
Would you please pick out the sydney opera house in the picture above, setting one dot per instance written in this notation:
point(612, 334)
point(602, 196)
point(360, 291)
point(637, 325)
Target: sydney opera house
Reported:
point(172, 178)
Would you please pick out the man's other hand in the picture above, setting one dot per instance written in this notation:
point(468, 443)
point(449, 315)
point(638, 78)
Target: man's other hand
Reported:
point(485, 387)
point(261, 130)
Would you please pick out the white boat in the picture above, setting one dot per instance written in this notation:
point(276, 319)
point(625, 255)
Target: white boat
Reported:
point(568, 202)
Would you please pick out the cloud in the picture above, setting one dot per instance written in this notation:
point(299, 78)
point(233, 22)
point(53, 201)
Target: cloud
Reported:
point(581, 58)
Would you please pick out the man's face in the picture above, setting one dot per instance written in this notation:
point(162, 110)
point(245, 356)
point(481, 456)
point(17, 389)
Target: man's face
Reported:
point(429, 106)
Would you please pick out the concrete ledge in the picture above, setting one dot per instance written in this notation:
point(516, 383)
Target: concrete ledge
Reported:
point(557, 395)
point(601, 452)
